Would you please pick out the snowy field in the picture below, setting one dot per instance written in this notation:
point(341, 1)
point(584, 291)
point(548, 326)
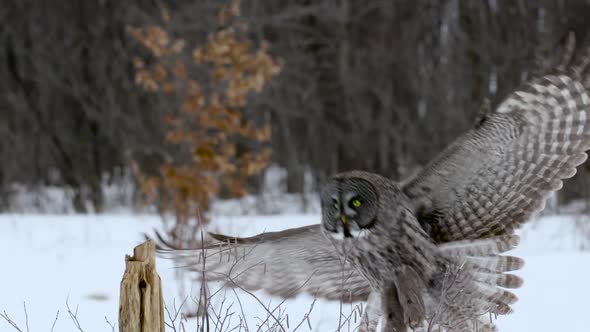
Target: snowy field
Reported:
point(47, 259)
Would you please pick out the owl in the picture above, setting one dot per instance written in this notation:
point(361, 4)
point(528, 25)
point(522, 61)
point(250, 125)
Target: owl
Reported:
point(429, 251)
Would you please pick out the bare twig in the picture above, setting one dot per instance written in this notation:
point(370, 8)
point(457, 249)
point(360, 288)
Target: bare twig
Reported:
point(26, 316)
point(306, 316)
point(241, 309)
point(73, 315)
point(268, 311)
point(171, 325)
point(220, 317)
point(54, 321)
point(205, 318)
point(10, 321)
point(110, 324)
point(174, 316)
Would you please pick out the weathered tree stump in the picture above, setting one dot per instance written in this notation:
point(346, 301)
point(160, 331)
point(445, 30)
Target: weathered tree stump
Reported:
point(141, 307)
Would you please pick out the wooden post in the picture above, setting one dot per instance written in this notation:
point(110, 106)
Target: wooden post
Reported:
point(141, 308)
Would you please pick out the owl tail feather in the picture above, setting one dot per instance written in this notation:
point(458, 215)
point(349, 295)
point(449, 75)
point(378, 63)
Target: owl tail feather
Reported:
point(479, 280)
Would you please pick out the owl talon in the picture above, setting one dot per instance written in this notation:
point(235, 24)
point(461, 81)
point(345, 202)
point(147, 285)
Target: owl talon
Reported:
point(414, 323)
point(413, 318)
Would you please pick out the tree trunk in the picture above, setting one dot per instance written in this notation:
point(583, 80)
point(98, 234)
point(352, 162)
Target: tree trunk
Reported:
point(141, 307)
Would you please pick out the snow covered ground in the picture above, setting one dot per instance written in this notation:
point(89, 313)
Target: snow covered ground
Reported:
point(47, 259)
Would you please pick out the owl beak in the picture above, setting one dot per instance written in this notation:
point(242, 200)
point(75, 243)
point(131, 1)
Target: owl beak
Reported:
point(345, 226)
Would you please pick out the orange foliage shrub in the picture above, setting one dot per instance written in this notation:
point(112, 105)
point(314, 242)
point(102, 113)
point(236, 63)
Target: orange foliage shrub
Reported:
point(209, 126)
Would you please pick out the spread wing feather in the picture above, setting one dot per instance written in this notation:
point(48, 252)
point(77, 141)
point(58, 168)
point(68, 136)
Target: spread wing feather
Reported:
point(286, 263)
point(496, 176)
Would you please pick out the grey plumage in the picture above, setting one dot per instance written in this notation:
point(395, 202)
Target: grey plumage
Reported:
point(429, 250)
point(259, 263)
point(458, 281)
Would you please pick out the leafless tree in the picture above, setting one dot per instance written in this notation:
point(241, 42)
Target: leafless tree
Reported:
point(374, 85)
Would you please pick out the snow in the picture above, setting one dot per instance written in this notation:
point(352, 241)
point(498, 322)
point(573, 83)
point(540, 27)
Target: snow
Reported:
point(50, 258)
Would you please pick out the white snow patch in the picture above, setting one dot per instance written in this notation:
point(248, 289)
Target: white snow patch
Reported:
point(48, 258)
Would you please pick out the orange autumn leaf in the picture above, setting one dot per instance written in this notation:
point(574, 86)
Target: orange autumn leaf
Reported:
point(209, 123)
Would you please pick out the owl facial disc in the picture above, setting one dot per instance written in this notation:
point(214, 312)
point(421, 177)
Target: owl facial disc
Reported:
point(348, 207)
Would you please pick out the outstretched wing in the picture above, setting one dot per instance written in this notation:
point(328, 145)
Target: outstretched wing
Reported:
point(494, 177)
point(476, 283)
point(286, 263)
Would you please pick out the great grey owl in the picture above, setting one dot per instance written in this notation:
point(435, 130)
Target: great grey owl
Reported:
point(428, 251)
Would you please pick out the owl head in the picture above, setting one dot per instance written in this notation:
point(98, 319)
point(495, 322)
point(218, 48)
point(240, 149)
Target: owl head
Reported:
point(350, 204)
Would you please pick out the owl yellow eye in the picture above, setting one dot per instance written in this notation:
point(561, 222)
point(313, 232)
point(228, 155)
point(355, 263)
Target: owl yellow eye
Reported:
point(335, 204)
point(356, 202)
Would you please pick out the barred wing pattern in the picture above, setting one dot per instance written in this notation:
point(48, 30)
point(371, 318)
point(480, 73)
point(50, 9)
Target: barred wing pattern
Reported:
point(286, 263)
point(477, 283)
point(495, 177)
